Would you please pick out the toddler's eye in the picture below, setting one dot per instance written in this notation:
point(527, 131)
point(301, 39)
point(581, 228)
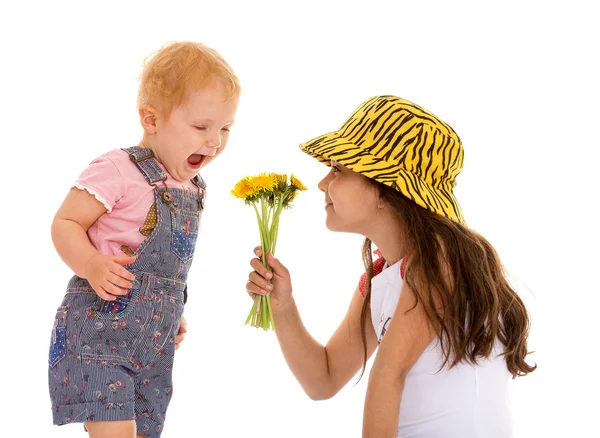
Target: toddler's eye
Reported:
point(225, 129)
point(201, 128)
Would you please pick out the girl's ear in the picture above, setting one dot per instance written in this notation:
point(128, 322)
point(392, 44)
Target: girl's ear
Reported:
point(148, 116)
point(380, 200)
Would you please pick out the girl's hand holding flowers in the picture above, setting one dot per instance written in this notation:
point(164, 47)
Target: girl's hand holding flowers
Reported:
point(262, 280)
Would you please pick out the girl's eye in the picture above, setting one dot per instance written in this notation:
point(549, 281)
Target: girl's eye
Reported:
point(335, 169)
point(201, 128)
point(226, 129)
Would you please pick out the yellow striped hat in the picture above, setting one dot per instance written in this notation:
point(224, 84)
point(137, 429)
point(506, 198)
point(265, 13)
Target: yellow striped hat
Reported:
point(401, 145)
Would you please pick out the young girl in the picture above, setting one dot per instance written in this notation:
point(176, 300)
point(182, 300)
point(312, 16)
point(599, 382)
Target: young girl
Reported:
point(128, 230)
point(449, 329)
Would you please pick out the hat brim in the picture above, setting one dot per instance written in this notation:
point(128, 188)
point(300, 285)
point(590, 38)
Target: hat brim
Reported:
point(332, 146)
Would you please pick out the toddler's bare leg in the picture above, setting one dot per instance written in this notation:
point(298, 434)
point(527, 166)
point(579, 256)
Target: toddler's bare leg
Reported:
point(112, 429)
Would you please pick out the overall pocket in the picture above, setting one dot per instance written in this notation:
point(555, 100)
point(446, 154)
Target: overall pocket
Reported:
point(111, 328)
point(184, 233)
point(120, 306)
point(58, 341)
point(113, 307)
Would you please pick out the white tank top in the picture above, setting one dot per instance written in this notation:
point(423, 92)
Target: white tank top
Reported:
point(463, 402)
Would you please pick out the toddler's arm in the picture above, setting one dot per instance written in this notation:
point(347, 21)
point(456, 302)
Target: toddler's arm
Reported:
point(77, 213)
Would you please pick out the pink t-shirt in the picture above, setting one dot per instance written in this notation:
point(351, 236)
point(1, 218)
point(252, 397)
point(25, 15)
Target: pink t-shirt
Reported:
point(119, 185)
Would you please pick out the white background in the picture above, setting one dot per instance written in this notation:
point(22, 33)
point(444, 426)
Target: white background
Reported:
point(517, 80)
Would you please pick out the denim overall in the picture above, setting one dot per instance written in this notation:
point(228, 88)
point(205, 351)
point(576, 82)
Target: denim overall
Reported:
point(112, 360)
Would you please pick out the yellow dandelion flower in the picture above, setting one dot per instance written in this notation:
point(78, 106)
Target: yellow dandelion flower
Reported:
point(282, 183)
point(297, 183)
point(243, 189)
point(263, 182)
point(280, 177)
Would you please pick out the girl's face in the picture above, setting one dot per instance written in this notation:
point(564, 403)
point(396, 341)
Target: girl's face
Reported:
point(195, 133)
point(351, 202)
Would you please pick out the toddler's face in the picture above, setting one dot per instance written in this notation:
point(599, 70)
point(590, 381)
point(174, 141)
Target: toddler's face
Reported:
point(196, 132)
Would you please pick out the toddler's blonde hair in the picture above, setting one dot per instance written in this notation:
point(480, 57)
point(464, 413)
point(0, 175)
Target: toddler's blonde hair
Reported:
point(179, 68)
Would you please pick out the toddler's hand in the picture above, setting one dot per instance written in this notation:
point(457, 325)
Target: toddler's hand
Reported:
point(108, 277)
point(181, 334)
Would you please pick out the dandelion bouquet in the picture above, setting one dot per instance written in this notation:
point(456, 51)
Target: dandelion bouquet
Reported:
point(269, 194)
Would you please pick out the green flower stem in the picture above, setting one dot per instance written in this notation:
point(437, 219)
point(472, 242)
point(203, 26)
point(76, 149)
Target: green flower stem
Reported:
point(264, 214)
point(263, 234)
point(261, 313)
point(270, 309)
point(253, 310)
point(275, 230)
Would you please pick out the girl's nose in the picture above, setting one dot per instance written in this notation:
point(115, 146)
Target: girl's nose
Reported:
point(324, 183)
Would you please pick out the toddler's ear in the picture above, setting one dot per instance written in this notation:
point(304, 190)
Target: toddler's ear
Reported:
point(148, 118)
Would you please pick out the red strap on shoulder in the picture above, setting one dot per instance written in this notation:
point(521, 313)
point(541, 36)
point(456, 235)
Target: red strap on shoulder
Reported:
point(377, 268)
point(403, 267)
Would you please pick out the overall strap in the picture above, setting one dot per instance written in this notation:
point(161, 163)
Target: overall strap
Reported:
point(146, 163)
point(199, 182)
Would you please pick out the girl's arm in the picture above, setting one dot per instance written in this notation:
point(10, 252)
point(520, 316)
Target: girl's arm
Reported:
point(407, 336)
point(324, 371)
point(321, 370)
point(77, 213)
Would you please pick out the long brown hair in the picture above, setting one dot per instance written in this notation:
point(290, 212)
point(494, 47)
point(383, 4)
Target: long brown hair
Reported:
point(473, 309)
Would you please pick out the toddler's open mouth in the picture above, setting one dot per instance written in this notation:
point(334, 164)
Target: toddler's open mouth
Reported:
point(196, 160)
